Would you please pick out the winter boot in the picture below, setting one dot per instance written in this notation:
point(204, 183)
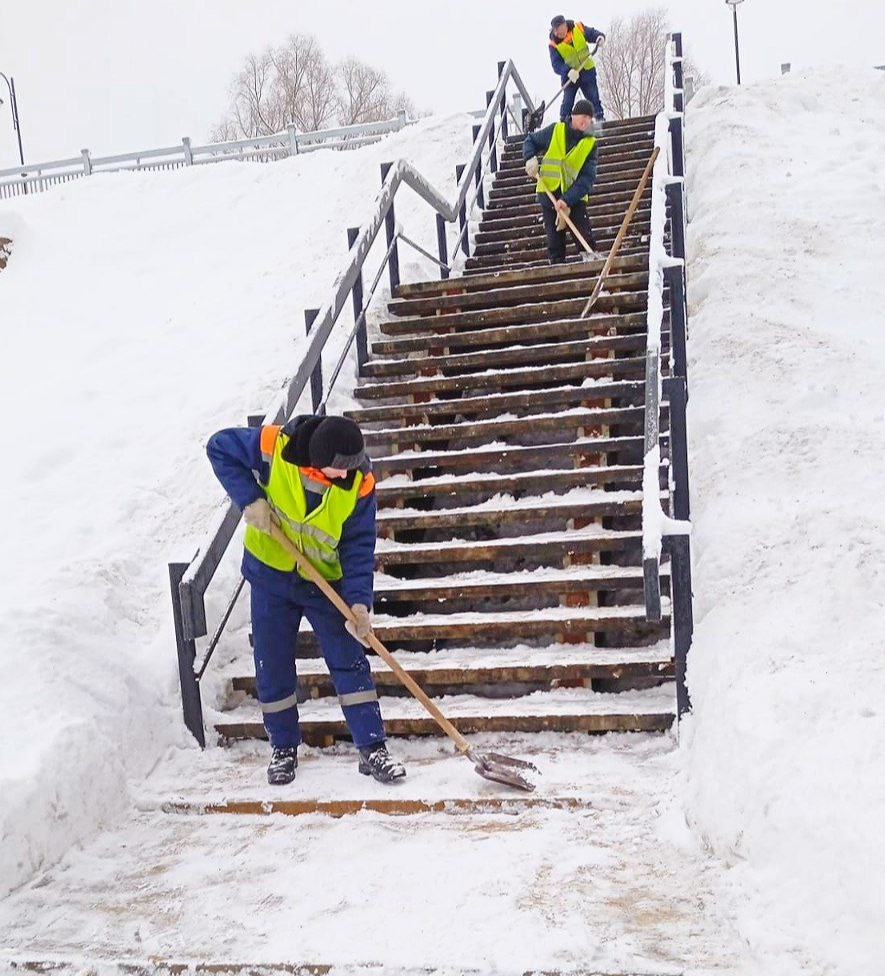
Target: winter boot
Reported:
point(376, 761)
point(283, 764)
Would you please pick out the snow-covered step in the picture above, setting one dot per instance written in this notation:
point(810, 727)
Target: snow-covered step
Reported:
point(490, 264)
point(513, 314)
point(501, 672)
point(498, 456)
point(589, 393)
point(553, 272)
point(545, 291)
point(558, 329)
point(604, 217)
point(398, 489)
point(508, 357)
point(561, 710)
point(540, 548)
point(543, 583)
point(574, 419)
point(488, 430)
point(588, 504)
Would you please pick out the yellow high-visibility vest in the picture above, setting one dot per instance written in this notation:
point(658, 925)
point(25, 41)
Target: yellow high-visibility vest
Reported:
point(559, 169)
point(318, 533)
point(574, 49)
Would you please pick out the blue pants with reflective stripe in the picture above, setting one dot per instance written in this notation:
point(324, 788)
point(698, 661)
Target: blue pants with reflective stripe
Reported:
point(589, 89)
point(275, 620)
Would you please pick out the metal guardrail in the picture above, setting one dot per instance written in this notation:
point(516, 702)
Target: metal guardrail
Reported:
point(19, 180)
point(668, 532)
point(190, 581)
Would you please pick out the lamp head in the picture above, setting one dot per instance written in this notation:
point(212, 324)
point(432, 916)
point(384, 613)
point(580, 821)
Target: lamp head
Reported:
point(733, 3)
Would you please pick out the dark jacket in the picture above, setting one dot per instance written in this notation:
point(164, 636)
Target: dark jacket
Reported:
point(536, 143)
point(235, 456)
point(556, 59)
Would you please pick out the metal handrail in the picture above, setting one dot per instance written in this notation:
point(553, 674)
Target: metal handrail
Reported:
point(190, 581)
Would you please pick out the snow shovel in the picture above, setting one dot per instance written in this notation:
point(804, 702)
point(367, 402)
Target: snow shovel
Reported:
point(535, 118)
point(489, 765)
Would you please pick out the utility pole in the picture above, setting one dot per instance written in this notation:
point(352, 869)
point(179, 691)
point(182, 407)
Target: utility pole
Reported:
point(737, 49)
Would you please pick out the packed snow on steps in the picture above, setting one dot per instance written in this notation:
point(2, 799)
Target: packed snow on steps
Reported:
point(142, 311)
point(613, 886)
point(786, 752)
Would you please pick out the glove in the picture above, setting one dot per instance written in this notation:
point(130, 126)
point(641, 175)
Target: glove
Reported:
point(361, 626)
point(600, 41)
point(561, 213)
point(574, 75)
point(258, 514)
point(532, 167)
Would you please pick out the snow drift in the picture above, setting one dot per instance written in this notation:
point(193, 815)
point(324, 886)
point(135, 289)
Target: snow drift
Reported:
point(786, 748)
point(140, 312)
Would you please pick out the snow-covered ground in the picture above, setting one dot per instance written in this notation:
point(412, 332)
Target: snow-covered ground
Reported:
point(786, 749)
point(140, 312)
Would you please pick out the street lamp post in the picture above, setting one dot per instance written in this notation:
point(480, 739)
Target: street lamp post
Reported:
point(10, 84)
point(737, 49)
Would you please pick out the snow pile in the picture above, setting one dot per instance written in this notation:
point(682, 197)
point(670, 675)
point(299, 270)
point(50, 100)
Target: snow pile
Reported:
point(141, 312)
point(786, 748)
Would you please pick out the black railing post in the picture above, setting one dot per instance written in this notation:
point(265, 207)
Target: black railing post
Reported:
point(493, 149)
point(675, 278)
point(390, 226)
point(187, 653)
point(679, 547)
point(362, 341)
point(443, 245)
point(316, 376)
point(480, 191)
point(674, 391)
point(462, 212)
point(678, 148)
point(677, 219)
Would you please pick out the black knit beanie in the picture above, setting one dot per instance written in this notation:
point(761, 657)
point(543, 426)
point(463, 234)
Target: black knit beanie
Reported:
point(337, 442)
point(557, 21)
point(582, 107)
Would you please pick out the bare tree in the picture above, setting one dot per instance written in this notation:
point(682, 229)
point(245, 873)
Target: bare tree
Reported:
point(631, 65)
point(295, 84)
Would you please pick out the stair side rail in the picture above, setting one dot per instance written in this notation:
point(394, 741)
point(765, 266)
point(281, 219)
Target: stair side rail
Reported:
point(190, 581)
point(668, 531)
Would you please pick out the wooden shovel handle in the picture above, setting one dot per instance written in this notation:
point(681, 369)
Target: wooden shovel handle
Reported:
point(331, 593)
point(622, 233)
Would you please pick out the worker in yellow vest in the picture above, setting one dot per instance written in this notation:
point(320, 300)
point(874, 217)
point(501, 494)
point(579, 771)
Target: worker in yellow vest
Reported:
point(571, 60)
point(313, 479)
point(562, 158)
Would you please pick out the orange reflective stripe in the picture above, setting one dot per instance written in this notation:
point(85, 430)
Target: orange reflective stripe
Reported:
point(314, 474)
point(269, 438)
point(368, 485)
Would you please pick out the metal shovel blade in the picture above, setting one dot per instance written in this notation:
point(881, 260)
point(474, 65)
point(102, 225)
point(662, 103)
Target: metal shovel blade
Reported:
point(535, 118)
point(502, 769)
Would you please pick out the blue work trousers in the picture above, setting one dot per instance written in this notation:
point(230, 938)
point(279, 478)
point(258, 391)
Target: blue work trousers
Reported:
point(589, 89)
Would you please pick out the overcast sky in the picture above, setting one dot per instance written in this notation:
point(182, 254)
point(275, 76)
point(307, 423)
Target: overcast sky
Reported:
point(120, 75)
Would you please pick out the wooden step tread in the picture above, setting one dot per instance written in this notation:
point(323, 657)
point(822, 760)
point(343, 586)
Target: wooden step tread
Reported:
point(534, 224)
point(607, 304)
point(561, 710)
point(527, 238)
point(633, 323)
point(504, 379)
point(589, 505)
point(470, 667)
point(538, 259)
point(493, 404)
point(399, 488)
point(633, 244)
point(481, 458)
point(521, 294)
point(488, 429)
point(481, 283)
point(539, 547)
point(506, 356)
point(480, 584)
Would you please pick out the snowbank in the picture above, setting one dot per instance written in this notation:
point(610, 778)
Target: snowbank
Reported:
point(786, 748)
point(140, 312)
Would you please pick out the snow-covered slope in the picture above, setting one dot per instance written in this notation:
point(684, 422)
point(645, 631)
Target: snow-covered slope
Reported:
point(140, 312)
point(786, 748)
